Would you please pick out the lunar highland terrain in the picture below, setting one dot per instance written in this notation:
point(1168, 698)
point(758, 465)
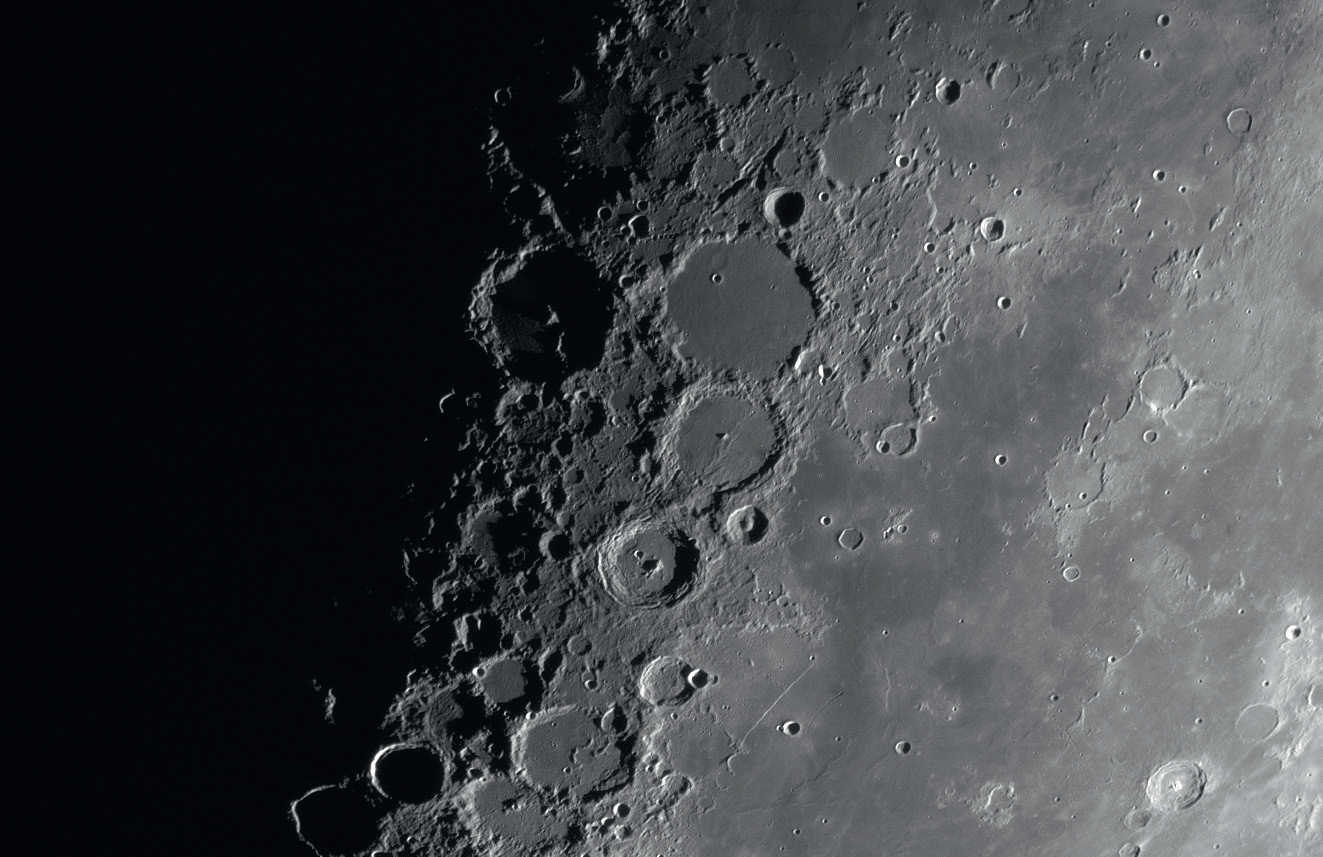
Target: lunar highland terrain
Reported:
point(908, 442)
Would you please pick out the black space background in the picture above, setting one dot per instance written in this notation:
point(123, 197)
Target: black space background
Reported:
point(291, 208)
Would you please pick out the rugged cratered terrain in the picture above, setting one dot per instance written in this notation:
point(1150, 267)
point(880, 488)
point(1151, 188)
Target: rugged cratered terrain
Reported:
point(910, 442)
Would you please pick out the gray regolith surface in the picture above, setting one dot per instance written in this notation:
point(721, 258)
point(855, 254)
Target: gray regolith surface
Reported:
point(996, 470)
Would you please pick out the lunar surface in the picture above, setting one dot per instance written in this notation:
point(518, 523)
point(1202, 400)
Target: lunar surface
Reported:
point(907, 440)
